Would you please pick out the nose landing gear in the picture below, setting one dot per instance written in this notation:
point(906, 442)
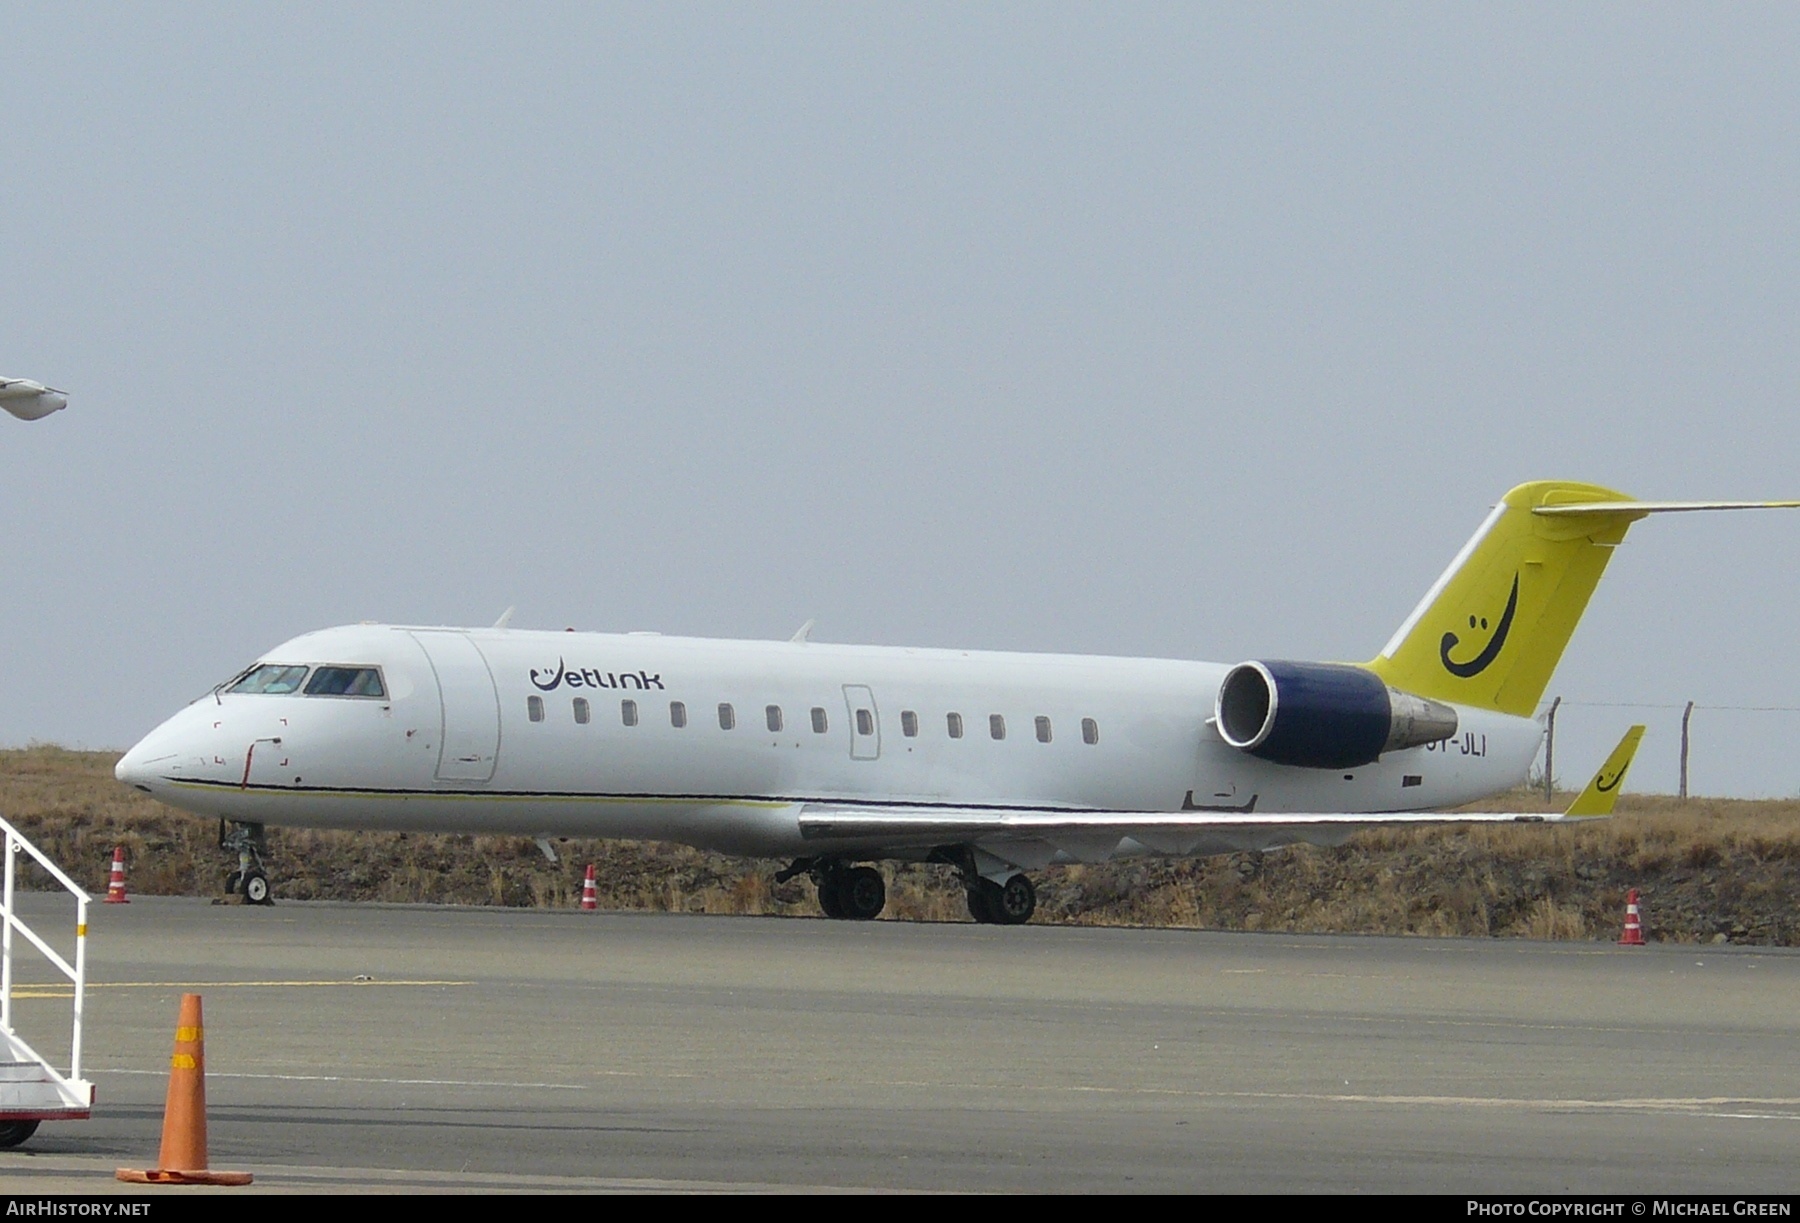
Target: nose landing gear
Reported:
point(249, 879)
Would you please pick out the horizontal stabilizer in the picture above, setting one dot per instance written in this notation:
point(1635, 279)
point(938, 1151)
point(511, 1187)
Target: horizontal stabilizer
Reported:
point(1637, 509)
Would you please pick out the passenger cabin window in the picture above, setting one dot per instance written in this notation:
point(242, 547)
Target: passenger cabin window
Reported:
point(773, 713)
point(582, 713)
point(996, 726)
point(677, 714)
point(345, 681)
point(909, 724)
point(1090, 731)
point(821, 723)
point(727, 717)
point(534, 708)
point(865, 722)
point(1043, 730)
point(270, 679)
point(628, 712)
point(954, 722)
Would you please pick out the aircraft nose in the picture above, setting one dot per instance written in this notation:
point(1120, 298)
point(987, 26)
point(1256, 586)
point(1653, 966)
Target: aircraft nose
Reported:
point(137, 767)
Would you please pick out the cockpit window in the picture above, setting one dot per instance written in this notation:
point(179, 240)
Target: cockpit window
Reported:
point(270, 679)
point(345, 681)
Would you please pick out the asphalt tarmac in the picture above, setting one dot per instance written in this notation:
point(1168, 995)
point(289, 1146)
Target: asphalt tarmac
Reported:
point(409, 1049)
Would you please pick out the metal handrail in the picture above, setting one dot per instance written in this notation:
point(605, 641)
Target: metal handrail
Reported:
point(55, 870)
point(14, 844)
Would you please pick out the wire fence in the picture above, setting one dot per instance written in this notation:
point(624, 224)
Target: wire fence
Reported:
point(1743, 750)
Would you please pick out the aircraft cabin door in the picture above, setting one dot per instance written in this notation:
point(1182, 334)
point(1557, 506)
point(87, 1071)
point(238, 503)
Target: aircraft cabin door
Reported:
point(865, 723)
point(470, 738)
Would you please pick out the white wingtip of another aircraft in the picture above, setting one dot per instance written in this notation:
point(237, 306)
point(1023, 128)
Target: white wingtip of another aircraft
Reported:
point(30, 400)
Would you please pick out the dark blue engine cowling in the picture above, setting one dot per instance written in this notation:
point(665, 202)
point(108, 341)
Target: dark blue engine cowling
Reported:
point(1323, 715)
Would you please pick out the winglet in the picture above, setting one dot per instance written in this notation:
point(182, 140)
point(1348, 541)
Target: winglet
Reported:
point(803, 634)
point(1603, 791)
point(505, 618)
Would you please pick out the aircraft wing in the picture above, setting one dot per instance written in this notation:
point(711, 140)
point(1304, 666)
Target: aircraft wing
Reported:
point(1033, 837)
point(1097, 836)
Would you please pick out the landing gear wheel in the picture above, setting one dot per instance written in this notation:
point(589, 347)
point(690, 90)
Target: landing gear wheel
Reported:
point(246, 840)
point(12, 1133)
point(1003, 904)
point(861, 894)
point(1014, 901)
point(831, 893)
point(256, 888)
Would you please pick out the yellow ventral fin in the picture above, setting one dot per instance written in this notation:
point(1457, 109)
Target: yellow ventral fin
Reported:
point(1493, 627)
point(1603, 791)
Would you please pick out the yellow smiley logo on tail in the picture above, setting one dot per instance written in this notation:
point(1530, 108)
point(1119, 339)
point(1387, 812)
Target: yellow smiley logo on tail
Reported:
point(1491, 651)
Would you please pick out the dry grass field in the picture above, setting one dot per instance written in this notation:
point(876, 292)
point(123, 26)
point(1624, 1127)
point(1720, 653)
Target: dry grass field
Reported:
point(1709, 870)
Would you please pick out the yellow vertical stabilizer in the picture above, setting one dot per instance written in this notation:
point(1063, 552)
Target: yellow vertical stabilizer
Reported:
point(1603, 791)
point(1492, 629)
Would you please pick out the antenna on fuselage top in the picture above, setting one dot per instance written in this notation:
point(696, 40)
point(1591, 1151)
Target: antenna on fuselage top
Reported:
point(505, 618)
point(804, 633)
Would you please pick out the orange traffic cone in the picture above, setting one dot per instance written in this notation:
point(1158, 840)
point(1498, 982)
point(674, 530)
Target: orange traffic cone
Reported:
point(183, 1156)
point(590, 899)
point(115, 886)
point(1634, 929)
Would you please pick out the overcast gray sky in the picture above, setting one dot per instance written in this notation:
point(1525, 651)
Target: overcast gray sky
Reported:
point(1193, 331)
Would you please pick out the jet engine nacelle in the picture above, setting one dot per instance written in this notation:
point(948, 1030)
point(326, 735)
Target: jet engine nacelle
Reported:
point(1323, 715)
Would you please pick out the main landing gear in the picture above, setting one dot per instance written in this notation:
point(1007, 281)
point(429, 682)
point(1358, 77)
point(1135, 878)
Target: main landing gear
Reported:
point(1007, 901)
point(848, 893)
point(249, 879)
point(851, 893)
point(858, 893)
point(1002, 904)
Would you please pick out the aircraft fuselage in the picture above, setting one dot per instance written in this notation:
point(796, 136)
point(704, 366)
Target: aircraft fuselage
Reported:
point(576, 734)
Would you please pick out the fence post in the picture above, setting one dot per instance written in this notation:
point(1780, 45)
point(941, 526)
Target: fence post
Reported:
point(1685, 715)
point(1550, 754)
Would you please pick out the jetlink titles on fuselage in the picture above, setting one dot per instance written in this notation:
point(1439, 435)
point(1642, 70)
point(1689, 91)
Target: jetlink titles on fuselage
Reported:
point(837, 756)
point(592, 678)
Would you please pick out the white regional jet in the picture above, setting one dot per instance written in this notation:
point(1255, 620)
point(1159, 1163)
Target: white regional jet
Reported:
point(836, 756)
